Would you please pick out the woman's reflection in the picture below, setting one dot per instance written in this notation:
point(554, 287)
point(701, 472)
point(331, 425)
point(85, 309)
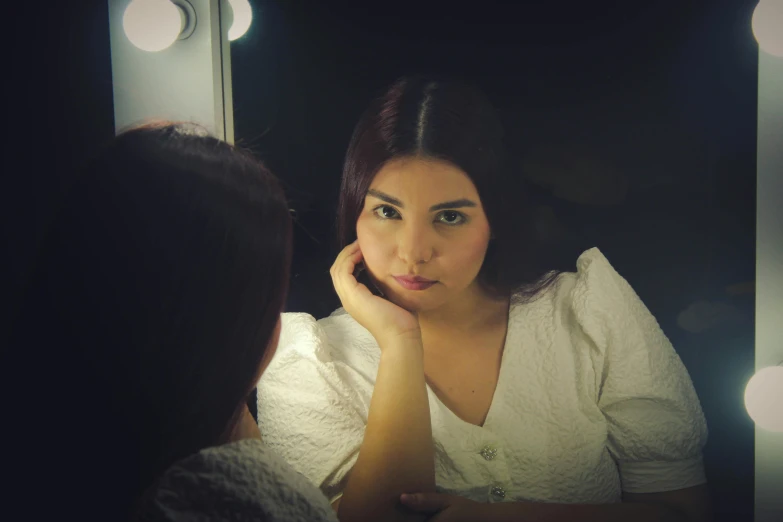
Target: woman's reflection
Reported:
point(460, 363)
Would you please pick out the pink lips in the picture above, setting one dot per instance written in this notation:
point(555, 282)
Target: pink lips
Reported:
point(414, 283)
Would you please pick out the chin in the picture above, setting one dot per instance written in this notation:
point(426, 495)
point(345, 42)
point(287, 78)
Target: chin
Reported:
point(408, 304)
point(412, 303)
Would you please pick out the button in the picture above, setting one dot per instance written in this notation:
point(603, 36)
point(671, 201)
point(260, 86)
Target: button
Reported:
point(498, 492)
point(488, 452)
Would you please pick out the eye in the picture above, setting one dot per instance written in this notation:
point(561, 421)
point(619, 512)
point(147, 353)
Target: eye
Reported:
point(385, 212)
point(451, 217)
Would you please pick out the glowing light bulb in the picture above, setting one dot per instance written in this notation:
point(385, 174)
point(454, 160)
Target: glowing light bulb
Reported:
point(152, 25)
point(243, 15)
point(767, 24)
point(764, 398)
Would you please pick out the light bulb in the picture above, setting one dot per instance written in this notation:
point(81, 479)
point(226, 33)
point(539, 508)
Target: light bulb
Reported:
point(767, 24)
point(764, 398)
point(152, 25)
point(243, 15)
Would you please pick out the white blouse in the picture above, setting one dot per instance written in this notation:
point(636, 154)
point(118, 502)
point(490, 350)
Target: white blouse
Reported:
point(591, 400)
point(243, 481)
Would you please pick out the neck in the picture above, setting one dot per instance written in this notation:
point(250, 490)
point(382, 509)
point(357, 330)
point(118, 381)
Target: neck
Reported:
point(471, 313)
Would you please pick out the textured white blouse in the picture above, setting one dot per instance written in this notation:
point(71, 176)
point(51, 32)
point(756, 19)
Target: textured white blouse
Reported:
point(591, 400)
point(243, 481)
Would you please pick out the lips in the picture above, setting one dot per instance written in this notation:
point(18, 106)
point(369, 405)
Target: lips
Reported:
point(414, 282)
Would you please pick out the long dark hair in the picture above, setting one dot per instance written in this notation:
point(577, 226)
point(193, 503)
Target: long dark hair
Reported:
point(452, 121)
point(160, 284)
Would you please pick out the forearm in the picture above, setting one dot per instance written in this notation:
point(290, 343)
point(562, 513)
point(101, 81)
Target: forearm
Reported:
point(397, 454)
point(621, 512)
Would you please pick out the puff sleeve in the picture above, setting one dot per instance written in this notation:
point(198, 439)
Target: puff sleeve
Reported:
point(308, 409)
point(656, 427)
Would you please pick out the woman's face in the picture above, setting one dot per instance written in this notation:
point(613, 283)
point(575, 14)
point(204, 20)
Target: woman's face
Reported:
point(422, 218)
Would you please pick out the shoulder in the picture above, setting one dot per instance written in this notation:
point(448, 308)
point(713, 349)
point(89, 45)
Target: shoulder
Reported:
point(342, 327)
point(595, 287)
point(320, 354)
point(332, 338)
point(596, 275)
point(247, 460)
point(594, 278)
point(226, 482)
point(595, 299)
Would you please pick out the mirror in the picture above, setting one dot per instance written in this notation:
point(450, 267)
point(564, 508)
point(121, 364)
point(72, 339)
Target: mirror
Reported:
point(633, 124)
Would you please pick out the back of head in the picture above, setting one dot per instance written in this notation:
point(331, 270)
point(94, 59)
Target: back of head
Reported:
point(160, 285)
point(452, 121)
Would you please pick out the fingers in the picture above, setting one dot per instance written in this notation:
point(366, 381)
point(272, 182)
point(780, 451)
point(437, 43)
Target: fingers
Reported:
point(347, 252)
point(343, 268)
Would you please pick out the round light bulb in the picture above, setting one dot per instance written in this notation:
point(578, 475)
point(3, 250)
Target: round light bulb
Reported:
point(243, 15)
point(152, 25)
point(764, 398)
point(767, 24)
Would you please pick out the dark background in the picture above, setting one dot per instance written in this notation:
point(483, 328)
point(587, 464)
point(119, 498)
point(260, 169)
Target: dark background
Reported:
point(634, 123)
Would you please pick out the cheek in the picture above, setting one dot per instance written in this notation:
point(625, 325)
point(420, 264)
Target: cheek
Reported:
point(374, 245)
point(469, 254)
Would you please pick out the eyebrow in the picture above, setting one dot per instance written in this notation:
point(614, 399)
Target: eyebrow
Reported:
point(457, 203)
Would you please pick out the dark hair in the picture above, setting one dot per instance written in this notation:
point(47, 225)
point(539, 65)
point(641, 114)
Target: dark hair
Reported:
point(161, 283)
point(450, 121)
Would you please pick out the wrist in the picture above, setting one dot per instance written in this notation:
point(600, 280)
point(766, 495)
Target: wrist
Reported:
point(396, 347)
point(409, 339)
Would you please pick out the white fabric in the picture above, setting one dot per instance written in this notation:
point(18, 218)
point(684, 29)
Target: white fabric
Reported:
point(591, 400)
point(239, 482)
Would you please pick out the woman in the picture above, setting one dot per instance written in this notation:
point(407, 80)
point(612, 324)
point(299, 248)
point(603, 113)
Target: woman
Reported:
point(161, 284)
point(459, 364)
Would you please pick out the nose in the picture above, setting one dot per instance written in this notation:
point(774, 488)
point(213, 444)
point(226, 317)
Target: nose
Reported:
point(415, 245)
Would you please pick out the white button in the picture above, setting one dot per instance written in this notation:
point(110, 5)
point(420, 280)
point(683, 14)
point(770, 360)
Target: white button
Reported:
point(488, 452)
point(498, 491)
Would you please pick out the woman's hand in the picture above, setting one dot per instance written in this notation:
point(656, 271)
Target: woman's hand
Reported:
point(447, 508)
point(384, 319)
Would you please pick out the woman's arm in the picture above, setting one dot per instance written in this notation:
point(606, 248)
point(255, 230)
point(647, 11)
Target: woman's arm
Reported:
point(684, 505)
point(693, 502)
point(397, 452)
